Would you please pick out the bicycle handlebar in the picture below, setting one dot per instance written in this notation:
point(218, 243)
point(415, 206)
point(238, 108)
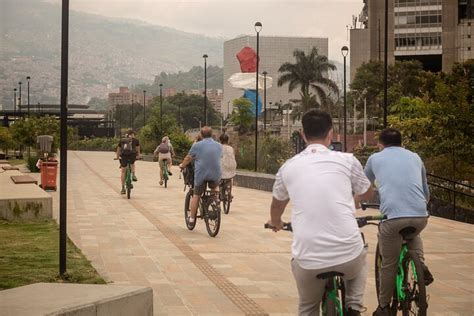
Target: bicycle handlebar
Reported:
point(361, 222)
point(286, 226)
point(365, 205)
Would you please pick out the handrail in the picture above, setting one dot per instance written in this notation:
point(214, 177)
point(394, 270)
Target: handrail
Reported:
point(451, 181)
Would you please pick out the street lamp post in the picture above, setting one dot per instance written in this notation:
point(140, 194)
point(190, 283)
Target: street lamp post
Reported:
point(258, 28)
point(28, 88)
point(131, 112)
point(19, 97)
point(205, 88)
point(385, 67)
point(265, 100)
point(161, 109)
point(144, 108)
point(345, 51)
point(270, 104)
point(14, 100)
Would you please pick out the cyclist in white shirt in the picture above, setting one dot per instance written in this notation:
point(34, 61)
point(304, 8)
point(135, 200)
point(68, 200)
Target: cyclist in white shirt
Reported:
point(320, 184)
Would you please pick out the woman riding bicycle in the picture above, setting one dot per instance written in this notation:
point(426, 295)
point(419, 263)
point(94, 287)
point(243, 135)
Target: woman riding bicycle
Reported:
point(228, 163)
point(165, 153)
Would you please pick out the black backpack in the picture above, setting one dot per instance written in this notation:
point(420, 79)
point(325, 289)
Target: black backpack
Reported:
point(128, 146)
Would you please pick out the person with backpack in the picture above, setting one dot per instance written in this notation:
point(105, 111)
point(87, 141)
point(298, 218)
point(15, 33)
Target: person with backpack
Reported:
point(128, 150)
point(164, 151)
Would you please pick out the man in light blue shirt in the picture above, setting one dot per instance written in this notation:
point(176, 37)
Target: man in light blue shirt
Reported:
point(400, 177)
point(206, 155)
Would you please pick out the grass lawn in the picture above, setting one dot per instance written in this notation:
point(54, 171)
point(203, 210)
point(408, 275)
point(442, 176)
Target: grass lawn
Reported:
point(29, 253)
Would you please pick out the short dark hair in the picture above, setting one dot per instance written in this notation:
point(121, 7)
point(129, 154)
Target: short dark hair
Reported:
point(390, 137)
point(224, 139)
point(130, 132)
point(316, 124)
point(206, 132)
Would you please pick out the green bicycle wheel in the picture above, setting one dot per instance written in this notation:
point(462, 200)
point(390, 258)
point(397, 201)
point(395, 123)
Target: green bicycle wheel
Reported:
point(414, 286)
point(128, 182)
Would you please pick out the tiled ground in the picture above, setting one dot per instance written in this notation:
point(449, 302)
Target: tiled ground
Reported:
point(244, 270)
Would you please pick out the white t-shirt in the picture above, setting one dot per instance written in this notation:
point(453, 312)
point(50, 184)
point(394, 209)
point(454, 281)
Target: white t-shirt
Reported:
point(319, 183)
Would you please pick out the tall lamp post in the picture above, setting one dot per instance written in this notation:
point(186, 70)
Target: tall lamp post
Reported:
point(144, 108)
point(385, 67)
point(258, 28)
point(345, 51)
point(131, 113)
point(161, 109)
point(265, 100)
point(28, 88)
point(19, 97)
point(205, 88)
point(14, 100)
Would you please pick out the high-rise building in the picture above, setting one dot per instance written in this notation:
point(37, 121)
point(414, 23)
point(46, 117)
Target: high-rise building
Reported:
point(273, 52)
point(125, 97)
point(438, 33)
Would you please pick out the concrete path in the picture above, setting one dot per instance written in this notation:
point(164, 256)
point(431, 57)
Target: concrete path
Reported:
point(244, 270)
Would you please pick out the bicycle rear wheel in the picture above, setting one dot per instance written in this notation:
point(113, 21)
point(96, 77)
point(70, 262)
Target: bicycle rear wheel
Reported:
point(128, 182)
point(187, 203)
point(333, 299)
point(414, 285)
point(212, 216)
point(165, 177)
point(225, 197)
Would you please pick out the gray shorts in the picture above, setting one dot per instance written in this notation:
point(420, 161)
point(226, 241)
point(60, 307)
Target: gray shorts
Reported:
point(200, 189)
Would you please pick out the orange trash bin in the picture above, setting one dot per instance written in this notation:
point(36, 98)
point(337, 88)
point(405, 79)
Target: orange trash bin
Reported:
point(49, 172)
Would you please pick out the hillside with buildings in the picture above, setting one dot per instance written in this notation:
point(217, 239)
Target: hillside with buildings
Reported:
point(105, 53)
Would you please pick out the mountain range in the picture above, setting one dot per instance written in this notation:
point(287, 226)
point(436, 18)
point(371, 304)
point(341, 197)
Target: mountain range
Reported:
point(105, 53)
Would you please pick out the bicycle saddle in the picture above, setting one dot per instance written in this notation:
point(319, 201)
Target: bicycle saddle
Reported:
point(407, 231)
point(330, 274)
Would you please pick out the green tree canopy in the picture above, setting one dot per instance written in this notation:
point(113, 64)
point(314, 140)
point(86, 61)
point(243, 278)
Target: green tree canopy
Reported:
point(242, 115)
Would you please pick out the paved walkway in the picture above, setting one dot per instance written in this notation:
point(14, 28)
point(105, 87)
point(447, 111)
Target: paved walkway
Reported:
point(244, 270)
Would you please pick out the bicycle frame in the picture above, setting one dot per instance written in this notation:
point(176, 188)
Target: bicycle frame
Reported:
point(331, 294)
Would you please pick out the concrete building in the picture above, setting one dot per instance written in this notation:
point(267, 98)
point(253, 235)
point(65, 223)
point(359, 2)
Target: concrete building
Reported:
point(125, 96)
point(214, 96)
point(438, 33)
point(273, 51)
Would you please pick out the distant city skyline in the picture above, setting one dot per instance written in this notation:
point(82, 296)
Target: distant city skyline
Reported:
point(308, 18)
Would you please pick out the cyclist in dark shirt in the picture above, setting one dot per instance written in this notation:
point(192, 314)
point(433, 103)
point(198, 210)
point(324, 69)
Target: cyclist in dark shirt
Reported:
point(128, 150)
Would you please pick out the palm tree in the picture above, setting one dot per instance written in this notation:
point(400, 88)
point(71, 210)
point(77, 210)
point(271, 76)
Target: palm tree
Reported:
point(309, 73)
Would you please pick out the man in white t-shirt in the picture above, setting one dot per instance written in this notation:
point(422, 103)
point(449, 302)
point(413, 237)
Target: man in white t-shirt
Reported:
point(320, 184)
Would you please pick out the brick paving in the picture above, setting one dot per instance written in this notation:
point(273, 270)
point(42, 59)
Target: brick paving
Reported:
point(245, 269)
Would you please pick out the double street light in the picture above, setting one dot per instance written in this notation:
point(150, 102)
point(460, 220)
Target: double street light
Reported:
point(28, 88)
point(19, 97)
point(258, 28)
point(161, 109)
point(345, 51)
point(265, 100)
point(205, 88)
point(144, 108)
point(14, 100)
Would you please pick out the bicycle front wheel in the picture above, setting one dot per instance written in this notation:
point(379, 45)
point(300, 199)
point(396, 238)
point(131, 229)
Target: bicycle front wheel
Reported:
point(212, 217)
point(414, 285)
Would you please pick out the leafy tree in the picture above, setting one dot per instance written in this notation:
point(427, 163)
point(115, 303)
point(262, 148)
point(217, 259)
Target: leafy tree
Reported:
point(242, 115)
point(440, 126)
point(6, 140)
point(309, 73)
point(405, 79)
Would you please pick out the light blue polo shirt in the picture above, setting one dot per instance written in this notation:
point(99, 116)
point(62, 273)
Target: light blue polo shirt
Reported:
point(207, 160)
point(401, 180)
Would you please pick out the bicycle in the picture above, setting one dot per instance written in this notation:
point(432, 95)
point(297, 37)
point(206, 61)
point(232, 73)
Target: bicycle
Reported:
point(209, 207)
point(225, 194)
point(128, 178)
point(410, 288)
point(165, 171)
point(333, 300)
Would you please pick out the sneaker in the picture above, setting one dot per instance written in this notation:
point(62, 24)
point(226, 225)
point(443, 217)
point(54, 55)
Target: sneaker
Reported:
point(134, 178)
point(123, 191)
point(428, 276)
point(352, 312)
point(382, 311)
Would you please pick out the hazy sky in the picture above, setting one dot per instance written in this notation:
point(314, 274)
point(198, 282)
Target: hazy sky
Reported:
point(230, 18)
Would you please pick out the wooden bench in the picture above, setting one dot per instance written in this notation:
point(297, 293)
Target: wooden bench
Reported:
point(23, 179)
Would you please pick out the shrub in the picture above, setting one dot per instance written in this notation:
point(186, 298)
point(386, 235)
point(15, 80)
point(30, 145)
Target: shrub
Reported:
point(95, 144)
point(31, 163)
